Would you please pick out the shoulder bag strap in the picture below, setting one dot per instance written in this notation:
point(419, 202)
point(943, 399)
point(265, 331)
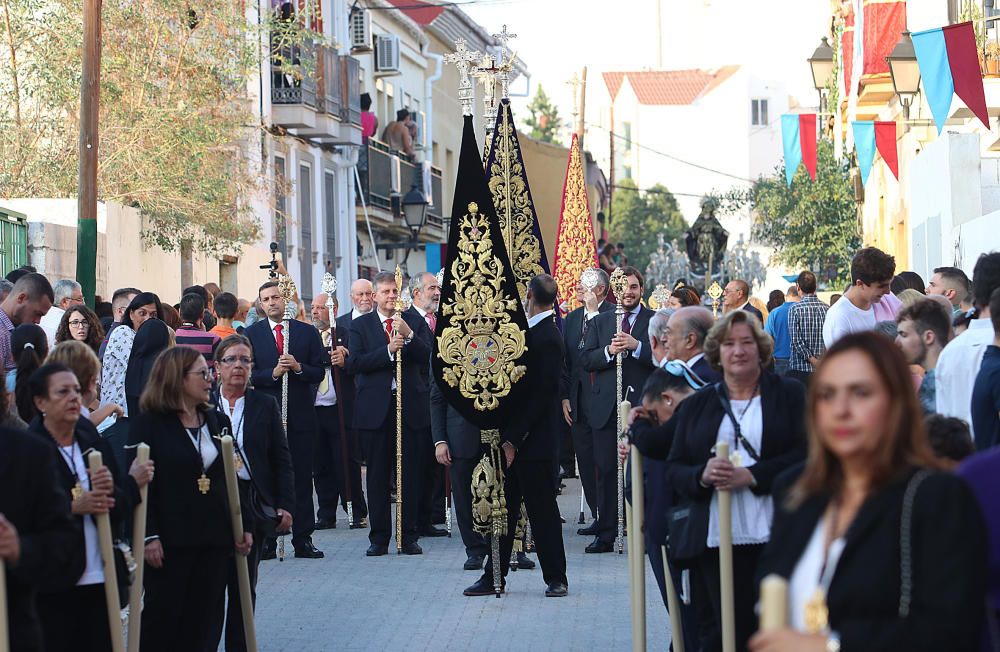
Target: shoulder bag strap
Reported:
point(906, 543)
point(720, 391)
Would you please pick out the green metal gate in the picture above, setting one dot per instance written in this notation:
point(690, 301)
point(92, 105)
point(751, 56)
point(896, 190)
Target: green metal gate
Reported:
point(13, 240)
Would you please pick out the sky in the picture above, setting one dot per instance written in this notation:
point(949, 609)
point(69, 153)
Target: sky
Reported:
point(558, 37)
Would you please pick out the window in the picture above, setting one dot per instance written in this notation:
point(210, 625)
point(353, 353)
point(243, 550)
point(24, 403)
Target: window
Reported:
point(330, 211)
point(627, 132)
point(305, 224)
point(758, 113)
point(280, 207)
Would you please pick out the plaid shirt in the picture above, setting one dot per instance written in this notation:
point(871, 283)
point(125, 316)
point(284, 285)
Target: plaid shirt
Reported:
point(6, 326)
point(805, 325)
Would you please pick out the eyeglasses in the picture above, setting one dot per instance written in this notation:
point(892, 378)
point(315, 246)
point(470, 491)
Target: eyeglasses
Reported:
point(79, 323)
point(205, 373)
point(233, 359)
point(678, 368)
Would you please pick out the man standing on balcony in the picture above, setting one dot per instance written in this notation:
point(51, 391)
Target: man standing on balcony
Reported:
point(397, 133)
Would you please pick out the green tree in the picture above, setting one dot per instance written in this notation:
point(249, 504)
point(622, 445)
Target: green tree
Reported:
point(811, 224)
point(543, 118)
point(178, 138)
point(637, 217)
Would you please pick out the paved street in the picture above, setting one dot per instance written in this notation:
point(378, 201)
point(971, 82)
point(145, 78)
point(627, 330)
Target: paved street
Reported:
point(349, 602)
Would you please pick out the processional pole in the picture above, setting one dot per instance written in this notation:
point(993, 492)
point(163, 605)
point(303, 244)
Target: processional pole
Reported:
point(329, 287)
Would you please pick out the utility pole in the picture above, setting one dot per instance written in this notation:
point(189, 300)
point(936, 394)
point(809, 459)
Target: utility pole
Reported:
point(583, 107)
point(90, 99)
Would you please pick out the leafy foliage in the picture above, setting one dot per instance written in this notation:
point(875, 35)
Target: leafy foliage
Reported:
point(812, 224)
point(638, 216)
point(176, 120)
point(543, 118)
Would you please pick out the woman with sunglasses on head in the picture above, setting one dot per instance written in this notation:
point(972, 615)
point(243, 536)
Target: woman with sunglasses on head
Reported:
point(189, 537)
point(75, 617)
point(81, 324)
point(264, 467)
point(882, 550)
point(760, 415)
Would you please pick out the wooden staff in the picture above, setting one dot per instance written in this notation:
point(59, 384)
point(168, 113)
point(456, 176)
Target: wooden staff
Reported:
point(399, 415)
point(726, 559)
point(773, 603)
point(4, 636)
point(138, 539)
point(673, 606)
point(95, 462)
point(637, 550)
point(242, 571)
point(330, 288)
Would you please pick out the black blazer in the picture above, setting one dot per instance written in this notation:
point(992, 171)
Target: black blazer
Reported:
point(345, 397)
point(33, 499)
point(705, 371)
point(603, 400)
point(447, 425)
point(696, 424)
point(178, 512)
point(374, 372)
point(266, 449)
point(535, 430)
point(576, 381)
point(948, 548)
point(307, 348)
point(749, 308)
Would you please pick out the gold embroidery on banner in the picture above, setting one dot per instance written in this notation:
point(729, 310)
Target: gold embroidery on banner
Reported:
point(489, 502)
point(509, 187)
point(481, 344)
point(575, 246)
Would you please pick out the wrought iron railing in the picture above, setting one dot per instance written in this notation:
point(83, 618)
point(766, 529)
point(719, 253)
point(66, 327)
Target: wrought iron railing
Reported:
point(390, 172)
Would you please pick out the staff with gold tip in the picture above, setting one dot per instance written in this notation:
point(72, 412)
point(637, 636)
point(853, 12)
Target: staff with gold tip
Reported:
point(400, 307)
point(287, 288)
point(619, 283)
point(329, 287)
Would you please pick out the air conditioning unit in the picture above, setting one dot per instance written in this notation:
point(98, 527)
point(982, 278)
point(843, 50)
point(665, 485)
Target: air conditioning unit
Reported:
point(387, 54)
point(360, 26)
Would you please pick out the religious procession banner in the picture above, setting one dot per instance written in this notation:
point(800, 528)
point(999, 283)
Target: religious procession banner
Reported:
point(576, 249)
point(479, 344)
point(798, 138)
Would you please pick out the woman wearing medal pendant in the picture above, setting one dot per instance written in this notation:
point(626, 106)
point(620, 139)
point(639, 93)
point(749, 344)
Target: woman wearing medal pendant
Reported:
point(881, 550)
point(75, 617)
point(189, 540)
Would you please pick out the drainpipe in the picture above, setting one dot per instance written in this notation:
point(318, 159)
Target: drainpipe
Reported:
point(429, 100)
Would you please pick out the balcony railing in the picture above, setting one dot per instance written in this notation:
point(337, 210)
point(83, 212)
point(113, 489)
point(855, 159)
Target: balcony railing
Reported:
point(391, 172)
point(330, 83)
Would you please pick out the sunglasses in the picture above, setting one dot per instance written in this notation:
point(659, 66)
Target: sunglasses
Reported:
point(678, 368)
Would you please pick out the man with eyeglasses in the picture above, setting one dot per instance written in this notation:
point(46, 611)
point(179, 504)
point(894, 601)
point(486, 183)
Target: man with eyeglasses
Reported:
point(602, 344)
point(334, 411)
point(576, 385)
point(67, 293)
point(736, 296)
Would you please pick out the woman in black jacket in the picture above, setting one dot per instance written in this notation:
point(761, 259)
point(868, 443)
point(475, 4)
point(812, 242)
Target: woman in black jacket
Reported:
point(151, 339)
point(264, 463)
point(881, 552)
point(760, 416)
point(189, 537)
point(76, 617)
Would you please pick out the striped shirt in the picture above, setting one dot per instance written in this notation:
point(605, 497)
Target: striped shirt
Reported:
point(805, 327)
point(204, 343)
point(6, 326)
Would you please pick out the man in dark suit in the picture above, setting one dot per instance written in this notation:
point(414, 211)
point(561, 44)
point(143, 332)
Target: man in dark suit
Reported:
point(684, 340)
point(302, 359)
point(530, 444)
point(361, 301)
point(577, 384)
point(376, 339)
point(426, 296)
point(736, 296)
point(601, 345)
point(331, 470)
point(39, 539)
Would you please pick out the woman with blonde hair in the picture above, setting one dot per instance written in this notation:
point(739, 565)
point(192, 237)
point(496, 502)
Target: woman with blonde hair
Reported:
point(881, 550)
point(79, 357)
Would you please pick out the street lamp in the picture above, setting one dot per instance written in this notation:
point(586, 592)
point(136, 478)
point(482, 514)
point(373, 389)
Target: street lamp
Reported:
point(821, 63)
point(414, 210)
point(905, 72)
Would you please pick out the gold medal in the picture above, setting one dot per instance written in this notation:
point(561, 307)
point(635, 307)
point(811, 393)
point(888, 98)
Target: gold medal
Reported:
point(816, 613)
point(77, 491)
point(204, 483)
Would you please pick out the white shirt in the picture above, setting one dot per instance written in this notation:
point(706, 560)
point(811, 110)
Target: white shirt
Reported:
point(631, 315)
point(115, 364)
point(752, 514)
point(328, 398)
point(94, 571)
point(956, 370)
point(236, 418)
point(392, 357)
point(695, 358)
point(807, 574)
point(539, 317)
point(208, 452)
point(355, 313)
point(50, 323)
point(844, 318)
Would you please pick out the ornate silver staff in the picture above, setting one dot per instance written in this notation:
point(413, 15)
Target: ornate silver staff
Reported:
point(589, 279)
point(287, 288)
point(329, 287)
point(399, 414)
point(619, 283)
point(463, 58)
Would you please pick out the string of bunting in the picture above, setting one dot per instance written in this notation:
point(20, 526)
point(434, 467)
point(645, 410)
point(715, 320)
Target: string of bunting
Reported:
point(949, 64)
point(798, 138)
point(871, 136)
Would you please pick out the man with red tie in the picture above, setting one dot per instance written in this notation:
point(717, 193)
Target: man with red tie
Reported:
point(303, 361)
point(376, 339)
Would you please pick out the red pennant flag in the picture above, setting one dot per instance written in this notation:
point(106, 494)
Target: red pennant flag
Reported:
point(960, 41)
point(885, 142)
point(807, 140)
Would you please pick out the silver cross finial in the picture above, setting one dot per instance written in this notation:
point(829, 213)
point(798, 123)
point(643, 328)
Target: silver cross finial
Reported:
point(506, 62)
point(464, 58)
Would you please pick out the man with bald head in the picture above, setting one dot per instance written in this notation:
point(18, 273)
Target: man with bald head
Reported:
point(362, 294)
point(685, 340)
point(736, 296)
point(334, 416)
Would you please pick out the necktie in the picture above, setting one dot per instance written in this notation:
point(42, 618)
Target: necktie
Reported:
point(388, 329)
point(324, 385)
point(583, 333)
point(431, 321)
point(626, 325)
point(279, 338)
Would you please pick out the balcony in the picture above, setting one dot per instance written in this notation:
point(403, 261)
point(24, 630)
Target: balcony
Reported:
point(319, 96)
point(391, 174)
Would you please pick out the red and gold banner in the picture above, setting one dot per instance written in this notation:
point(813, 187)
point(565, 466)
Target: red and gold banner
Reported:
point(847, 49)
point(576, 249)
